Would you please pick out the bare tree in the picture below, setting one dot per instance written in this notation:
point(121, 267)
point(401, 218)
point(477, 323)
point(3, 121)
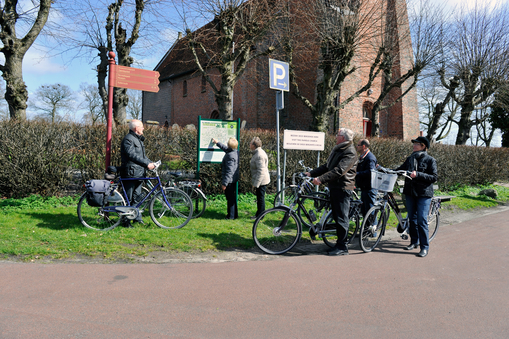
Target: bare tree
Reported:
point(341, 30)
point(478, 45)
point(32, 19)
point(101, 26)
point(230, 41)
point(92, 104)
point(135, 105)
point(425, 34)
point(51, 100)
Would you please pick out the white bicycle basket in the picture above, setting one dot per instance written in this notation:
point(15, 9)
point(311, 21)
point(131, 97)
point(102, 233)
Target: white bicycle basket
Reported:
point(383, 181)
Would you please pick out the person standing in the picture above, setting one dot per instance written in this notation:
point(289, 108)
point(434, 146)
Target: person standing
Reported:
point(418, 192)
point(367, 163)
point(134, 163)
point(230, 175)
point(260, 176)
point(339, 173)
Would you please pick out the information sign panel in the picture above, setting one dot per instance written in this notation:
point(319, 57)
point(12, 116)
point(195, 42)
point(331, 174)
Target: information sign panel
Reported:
point(222, 130)
point(304, 140)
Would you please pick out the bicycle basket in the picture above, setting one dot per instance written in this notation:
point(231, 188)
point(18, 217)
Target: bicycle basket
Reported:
point(383, 181)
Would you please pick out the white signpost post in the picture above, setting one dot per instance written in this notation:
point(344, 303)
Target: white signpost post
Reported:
point(279, 80)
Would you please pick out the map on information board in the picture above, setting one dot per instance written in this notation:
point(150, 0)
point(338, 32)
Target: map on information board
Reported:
point(220, 130)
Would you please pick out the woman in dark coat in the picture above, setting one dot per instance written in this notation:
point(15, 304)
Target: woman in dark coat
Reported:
point(230, 175)
point(418, 193)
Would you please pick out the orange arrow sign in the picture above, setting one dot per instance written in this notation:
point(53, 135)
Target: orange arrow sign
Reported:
point(135, 78)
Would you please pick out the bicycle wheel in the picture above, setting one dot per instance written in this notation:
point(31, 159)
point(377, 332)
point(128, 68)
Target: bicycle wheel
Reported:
point(95, 217)
point(199, 202)
point(175, 215)
point(372, 228)
point(433, 223)
point(286, 197)
point(276, 230)
point(318, 206)
point(329, 235)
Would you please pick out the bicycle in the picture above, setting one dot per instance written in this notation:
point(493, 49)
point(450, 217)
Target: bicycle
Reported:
point(170, 208)
point(374, 224)
point(279, 229)
point(190, 186)
point(288, 195)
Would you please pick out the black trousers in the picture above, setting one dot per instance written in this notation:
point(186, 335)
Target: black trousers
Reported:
point(340, 205)
point(260, 199)
point(133, 192)
point(230, 193)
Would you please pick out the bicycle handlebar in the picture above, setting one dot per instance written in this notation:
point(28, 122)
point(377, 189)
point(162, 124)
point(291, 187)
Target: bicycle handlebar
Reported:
point(404, 173)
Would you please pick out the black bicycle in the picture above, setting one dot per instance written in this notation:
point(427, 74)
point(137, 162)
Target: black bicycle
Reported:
point(279, 229)
point(169, 207)
point(375, 222)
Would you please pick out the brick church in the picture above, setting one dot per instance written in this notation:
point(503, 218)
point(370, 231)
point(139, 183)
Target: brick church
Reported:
point(184, 95)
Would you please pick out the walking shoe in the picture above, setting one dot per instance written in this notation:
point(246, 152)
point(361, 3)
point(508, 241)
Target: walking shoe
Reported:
point(411, 247)
point(337, 251)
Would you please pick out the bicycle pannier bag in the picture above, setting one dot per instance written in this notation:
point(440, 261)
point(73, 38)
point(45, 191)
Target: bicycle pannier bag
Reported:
point(96, 192)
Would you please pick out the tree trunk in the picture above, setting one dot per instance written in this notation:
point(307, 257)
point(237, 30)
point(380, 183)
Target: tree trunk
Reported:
point(464, 126)
point(14, 50)
point(16, 93)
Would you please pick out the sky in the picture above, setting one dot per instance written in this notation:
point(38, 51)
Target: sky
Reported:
point(39, 69)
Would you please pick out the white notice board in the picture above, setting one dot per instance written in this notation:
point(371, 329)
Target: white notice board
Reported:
point(304, 140)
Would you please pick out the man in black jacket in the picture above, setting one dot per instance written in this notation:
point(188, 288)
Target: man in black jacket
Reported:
point(134, 163)
point(367, 162)
point(339, 172)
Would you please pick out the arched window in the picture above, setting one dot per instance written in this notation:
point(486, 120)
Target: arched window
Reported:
point(214, 114)
point(366, 118)
point(184, 88)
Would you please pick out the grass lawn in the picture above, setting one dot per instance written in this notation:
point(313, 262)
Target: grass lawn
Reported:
point(36, 227)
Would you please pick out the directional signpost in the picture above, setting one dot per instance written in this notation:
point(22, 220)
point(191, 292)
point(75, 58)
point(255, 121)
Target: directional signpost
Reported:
point(135, 78)
point(279, 80)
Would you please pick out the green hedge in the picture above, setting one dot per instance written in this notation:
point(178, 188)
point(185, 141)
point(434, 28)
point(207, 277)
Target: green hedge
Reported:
point(48, 159)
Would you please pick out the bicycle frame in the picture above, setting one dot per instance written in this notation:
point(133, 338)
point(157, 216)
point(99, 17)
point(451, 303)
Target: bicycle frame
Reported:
point(128, 203)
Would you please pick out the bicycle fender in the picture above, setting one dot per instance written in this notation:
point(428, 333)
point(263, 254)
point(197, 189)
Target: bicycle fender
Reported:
point(202, 194)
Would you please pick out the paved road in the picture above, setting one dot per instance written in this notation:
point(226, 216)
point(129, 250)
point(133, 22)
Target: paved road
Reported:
point(461, 290)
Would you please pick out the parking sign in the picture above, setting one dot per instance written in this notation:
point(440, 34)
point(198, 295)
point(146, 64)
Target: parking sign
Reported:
point(278, 74)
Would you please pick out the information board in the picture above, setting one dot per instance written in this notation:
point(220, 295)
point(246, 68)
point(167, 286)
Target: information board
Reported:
point(304, 140)
point(209, 129)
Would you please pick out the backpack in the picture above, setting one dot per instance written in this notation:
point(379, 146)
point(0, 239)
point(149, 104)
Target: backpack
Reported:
point(96, 192)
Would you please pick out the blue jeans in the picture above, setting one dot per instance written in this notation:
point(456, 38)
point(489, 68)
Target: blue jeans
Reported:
point(418, 208)
point(368, 197)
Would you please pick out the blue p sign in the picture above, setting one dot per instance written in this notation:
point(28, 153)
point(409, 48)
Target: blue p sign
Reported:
point(278, 74)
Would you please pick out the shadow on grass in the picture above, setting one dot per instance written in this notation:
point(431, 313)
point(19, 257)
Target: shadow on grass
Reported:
point(56, 221)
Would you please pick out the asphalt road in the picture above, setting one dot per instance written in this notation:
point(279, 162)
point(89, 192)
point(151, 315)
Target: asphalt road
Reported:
point(460, 290)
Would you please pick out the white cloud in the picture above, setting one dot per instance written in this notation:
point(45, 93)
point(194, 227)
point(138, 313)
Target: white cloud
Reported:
point(36, 61)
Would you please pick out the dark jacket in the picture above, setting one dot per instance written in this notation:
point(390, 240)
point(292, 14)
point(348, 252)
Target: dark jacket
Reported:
point(340, 169)
point(364, 167)
point(229, 165)
point(132, 152)
point(427, 173)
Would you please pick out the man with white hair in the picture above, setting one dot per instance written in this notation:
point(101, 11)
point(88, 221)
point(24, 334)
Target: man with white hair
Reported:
point(134, 163)
point(339, 173)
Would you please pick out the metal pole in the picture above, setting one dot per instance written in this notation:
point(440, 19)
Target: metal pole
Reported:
point(109, 120)
point(278, 155)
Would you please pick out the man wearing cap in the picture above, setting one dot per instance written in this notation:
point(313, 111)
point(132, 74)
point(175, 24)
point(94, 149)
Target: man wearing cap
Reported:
point(418, 192)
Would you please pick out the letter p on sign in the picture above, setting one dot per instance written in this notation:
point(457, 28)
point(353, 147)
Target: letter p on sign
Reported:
point(278, 74)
